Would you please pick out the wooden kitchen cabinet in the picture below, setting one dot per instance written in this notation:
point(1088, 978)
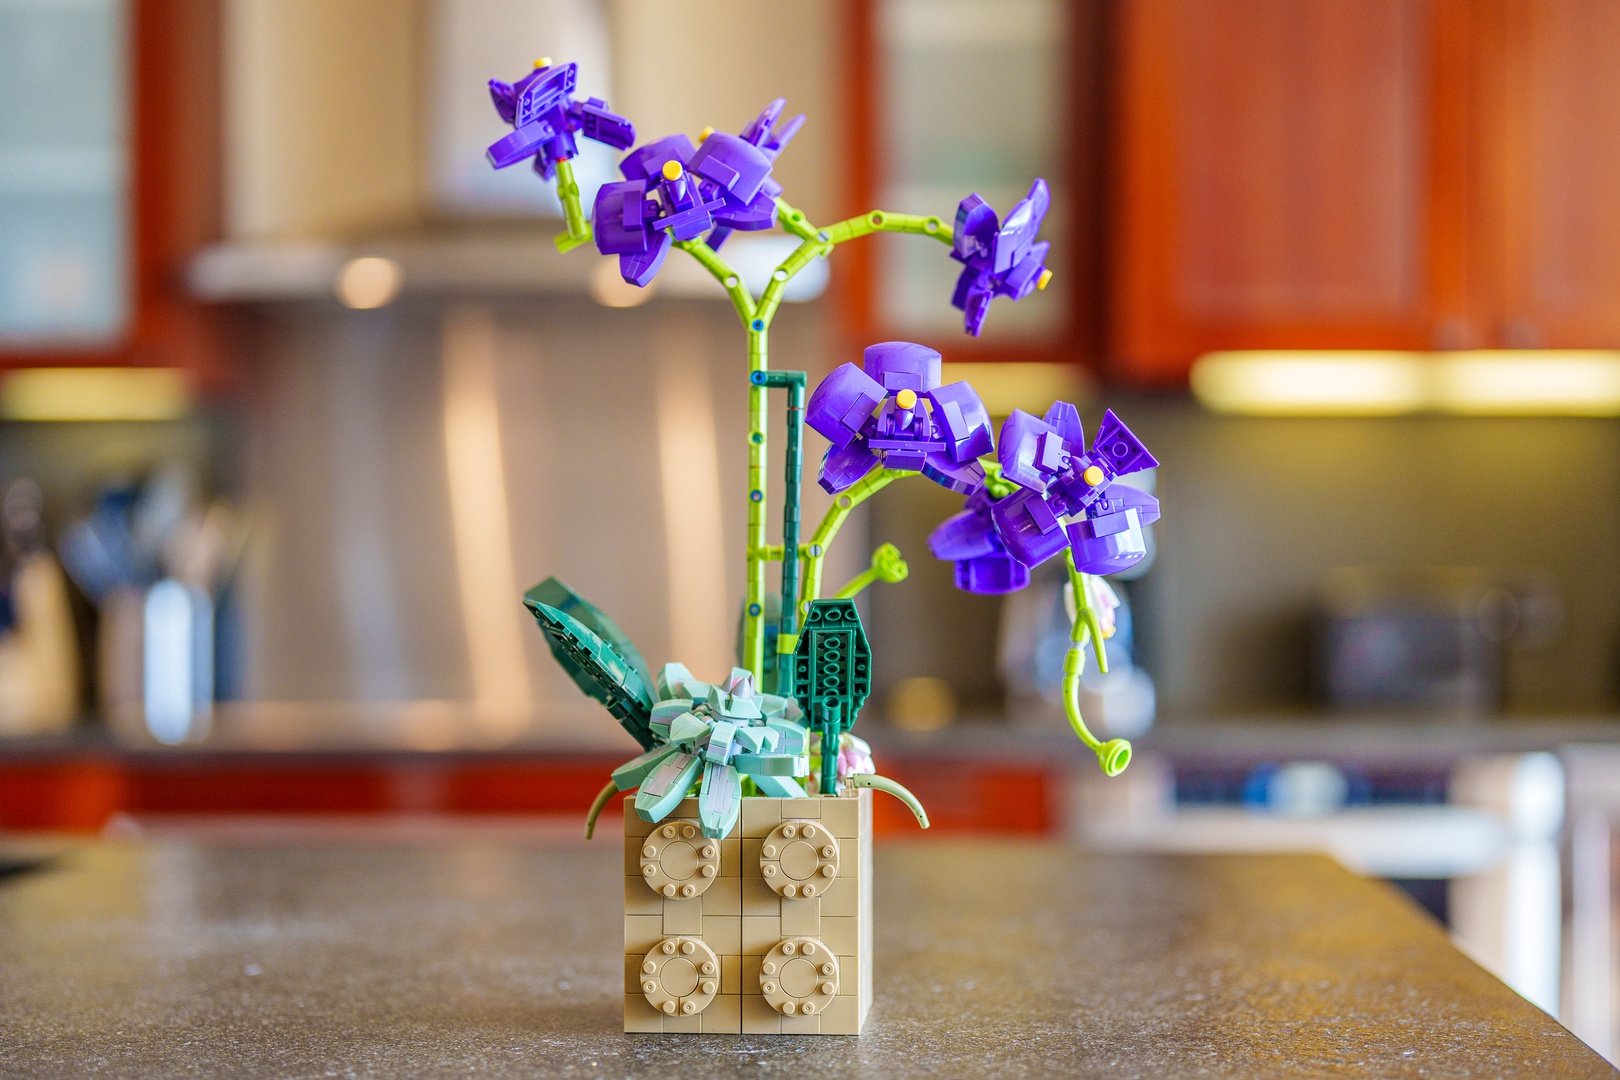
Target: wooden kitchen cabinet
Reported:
point(1546, 172)
point(1363, 174)
point(1286, 175)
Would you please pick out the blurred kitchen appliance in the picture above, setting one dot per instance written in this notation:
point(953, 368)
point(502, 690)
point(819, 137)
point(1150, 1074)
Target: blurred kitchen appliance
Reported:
point(1428, 640)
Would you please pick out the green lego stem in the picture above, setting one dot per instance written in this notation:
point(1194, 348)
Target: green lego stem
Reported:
point(598, 805)
point(787, 636)
point(756, 318)
point(884, 221)
point(884, 784)
point(722, 272)
point(1114, 754)
point(887, 566)
point(814, 551)
point(828, 724)
point(579, 230)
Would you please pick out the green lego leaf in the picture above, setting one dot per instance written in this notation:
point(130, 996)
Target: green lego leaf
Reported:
point(554, 593)
point(833, 662)
point(665, 787)
point(597, 669)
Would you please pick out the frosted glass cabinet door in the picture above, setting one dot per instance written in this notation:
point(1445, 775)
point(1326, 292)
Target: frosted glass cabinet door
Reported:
point(972, 100)
point(64, 173)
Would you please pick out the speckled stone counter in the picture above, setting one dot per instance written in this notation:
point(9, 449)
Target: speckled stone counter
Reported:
point(993, 959)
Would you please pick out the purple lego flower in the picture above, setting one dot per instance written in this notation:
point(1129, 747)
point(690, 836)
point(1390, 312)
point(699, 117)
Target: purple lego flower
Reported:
point(545, 118)
point(969, 540)
point(673, 192)
point(1013, 523)
point(1059, 478)
point(739, 167)
point(1000, 258)
point(917, 424)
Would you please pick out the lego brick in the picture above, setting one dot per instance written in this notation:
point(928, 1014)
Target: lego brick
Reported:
point(841, 1017)
point(760, 934)
point(760, 816)
point(640, 1016)
point(723, 933)
point(632, 856)
point(842, 816)
point(683, 917)
point(731, 974)
point(843, 897)
point(849, 976)
point(757, 897)
point(688, 808)
point(750, 973)
point(801, 918)
point(633, 824)
point(841, 935)
point(801, 808)
point(758, 1018)
point(801, 1025)
point(640, 900)
point(642, 932)
point(731, 853)
point(723, 1016)
point(750, 855)
point(723, 897)
point(690, 1025)
point(632, 974)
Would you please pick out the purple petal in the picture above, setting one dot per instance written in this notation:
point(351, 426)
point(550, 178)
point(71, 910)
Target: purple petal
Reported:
point(963, 477)
point(1028, 528)
point(639, 269)
point(1018, 450)
point(964, 535)
point(620, 218)
point(736, 167)
point(844, 465)
point(842, 404)
point(991, 575)
point(975, 229)
point(647, 162)
point(1123, 451)
point(963, 419)
point(902, 365)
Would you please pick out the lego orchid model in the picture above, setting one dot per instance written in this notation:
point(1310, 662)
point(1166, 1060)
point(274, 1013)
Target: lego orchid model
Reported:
point(748, 878)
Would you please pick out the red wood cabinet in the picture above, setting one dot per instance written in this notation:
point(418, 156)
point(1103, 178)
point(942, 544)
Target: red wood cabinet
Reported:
point(175, 193)
point(1546, 193)
point(1285, 177)
point(1378, 174)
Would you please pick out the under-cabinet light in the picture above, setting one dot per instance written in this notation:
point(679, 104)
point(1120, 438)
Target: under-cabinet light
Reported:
point(89, 393)
point(1479, 383)
point(1543, 383)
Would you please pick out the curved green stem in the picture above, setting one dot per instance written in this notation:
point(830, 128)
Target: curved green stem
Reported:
point(579, 230)
point(1114, 754)
point(722, 272)
point(889, 787)
point(756, 317)
point(598, 806)
point(816, 549)
point(884, 221)
point(887, 566)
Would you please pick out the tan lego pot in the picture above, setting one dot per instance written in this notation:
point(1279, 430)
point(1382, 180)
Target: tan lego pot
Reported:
point(768, 931)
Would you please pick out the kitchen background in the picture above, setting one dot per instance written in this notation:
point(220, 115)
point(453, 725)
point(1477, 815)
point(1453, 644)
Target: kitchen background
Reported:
point(298, 398)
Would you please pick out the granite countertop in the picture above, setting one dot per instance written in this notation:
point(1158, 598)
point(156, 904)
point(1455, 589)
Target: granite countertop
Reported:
point(992, 959)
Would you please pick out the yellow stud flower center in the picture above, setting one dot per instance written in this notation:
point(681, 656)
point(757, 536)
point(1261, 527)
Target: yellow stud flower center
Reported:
point(544, 61)
point(1040, 282)
point(673, 170)
point(1092, 476)
point(906, 399)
